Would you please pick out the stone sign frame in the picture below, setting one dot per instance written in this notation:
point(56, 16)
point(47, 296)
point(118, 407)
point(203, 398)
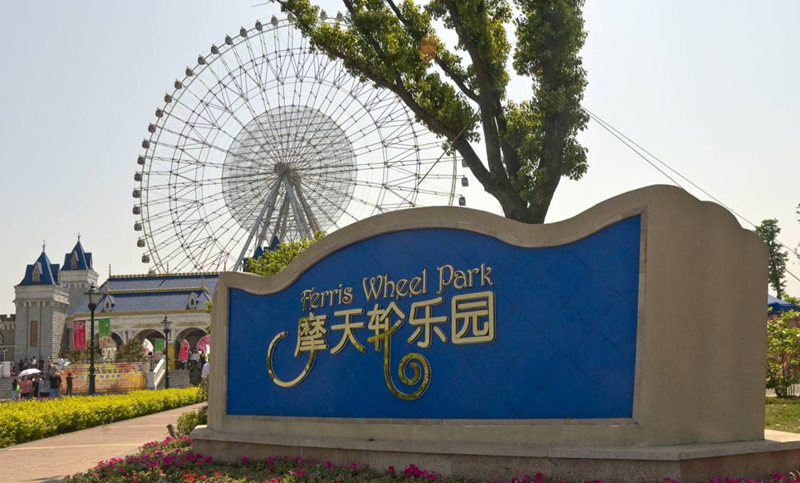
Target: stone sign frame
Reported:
point(700, 339)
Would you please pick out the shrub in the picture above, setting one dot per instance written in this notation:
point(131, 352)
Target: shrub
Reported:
point(191, 419)
point(783, 354)
point(29, 420)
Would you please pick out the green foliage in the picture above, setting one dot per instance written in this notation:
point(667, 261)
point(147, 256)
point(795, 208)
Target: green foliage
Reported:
point(131, 351)
point(28, 420)
point(273, 261)
point(191, 419)
point(783, 354)
point(530, 145)
point(769, 230)
point(203, 387)
point(82, 356)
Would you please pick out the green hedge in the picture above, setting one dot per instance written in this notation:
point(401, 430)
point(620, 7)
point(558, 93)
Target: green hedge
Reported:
point(27, 420)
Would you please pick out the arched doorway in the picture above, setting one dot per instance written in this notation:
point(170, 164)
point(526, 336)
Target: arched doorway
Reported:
point(191, 335)
point(117, 339)
point(150, 335)
point(186, 345)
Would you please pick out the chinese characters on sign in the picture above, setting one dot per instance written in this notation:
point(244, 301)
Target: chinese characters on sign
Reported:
point(466, 318)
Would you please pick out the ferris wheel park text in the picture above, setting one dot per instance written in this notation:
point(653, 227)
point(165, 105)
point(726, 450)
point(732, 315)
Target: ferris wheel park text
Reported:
point(382, 286)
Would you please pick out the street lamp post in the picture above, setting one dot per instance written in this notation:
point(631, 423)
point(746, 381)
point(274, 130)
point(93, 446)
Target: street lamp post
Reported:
point(167, 324)
point(92, 295)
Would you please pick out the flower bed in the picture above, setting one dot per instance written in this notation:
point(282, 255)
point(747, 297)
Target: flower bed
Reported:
point(172, 460)
point(28, 420)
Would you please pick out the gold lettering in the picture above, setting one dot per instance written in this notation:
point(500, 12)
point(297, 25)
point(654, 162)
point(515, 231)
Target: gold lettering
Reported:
point(460, 281)
point(304, 298)
point(472, 273)
point(311, 334)
point(472, 318)
point(401, 288)
point(414, 285)
point(348, 295)
point(425, 324)
point(348, 327)
point(386, 291)
point(374, 290)
point(315, 300)
point(442, 282)
point(486, 272)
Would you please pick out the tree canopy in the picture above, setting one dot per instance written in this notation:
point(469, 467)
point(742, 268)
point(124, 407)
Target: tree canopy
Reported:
point(769, 230)
point(273, 261)
point(460, 92)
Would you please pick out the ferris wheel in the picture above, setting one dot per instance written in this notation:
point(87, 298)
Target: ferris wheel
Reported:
point(263, 140)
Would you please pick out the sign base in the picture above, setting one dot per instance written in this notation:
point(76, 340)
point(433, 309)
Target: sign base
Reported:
point(689, 463)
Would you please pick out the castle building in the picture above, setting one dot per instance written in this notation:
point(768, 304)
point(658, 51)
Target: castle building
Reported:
point(137, 305)
point(50, 298)
point(7, 328)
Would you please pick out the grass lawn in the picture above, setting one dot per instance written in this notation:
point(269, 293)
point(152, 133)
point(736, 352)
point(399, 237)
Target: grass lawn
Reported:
point(783, 414)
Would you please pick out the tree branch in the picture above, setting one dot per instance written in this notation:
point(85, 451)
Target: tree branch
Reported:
point(488, 96)
point(457, 77)
point(398, 87)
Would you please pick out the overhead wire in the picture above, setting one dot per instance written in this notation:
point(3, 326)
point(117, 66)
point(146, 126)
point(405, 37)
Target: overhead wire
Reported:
point(644, 153)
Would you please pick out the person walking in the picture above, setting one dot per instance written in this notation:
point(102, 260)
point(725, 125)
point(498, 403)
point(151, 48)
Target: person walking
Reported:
point(55, 384)
point(15, 388)
point(25, 387)
point(44, 388)
point(69, 384)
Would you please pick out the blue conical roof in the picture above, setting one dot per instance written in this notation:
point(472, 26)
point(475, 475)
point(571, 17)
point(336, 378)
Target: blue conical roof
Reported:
point(47, 272)
point(78, 259)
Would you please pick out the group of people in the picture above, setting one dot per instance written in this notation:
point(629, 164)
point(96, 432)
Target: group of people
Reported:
point(44, 384)
point(41, 364)
point(195, 358)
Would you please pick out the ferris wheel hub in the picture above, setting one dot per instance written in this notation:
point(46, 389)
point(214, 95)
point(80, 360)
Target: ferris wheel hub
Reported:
point(282, 168)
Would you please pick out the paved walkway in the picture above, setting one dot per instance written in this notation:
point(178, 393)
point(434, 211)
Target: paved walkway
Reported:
point(51, 459)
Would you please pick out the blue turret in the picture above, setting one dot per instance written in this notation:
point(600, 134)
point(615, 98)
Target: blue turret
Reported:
point(41, 272)
point(78, 259)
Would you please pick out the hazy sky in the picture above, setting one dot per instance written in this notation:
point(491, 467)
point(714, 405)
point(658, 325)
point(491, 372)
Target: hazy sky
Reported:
point(709, 87)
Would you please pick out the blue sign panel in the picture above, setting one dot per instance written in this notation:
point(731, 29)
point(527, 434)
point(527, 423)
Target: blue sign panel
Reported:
point(444, 324)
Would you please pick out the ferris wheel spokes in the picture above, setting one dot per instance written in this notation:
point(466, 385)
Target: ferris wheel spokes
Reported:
point(266, 138)
point(294, 199)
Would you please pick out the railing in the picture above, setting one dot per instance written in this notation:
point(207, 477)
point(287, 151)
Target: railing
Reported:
point(155, 376)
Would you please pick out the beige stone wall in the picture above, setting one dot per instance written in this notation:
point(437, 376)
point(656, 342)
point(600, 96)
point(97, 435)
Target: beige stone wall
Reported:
point(701, 345)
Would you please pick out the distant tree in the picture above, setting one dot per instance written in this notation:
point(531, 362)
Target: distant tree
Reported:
point(130, 351)
point(459, 93)
point(273, 261)
point(768, 230)
point(783, 354)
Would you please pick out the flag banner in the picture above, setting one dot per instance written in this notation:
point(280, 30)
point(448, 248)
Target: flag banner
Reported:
point(104, 334)
point(184, 356)
point(79, 335)
point(158, 347)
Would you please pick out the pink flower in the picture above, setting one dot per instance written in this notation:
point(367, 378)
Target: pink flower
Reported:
point(329, 466)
